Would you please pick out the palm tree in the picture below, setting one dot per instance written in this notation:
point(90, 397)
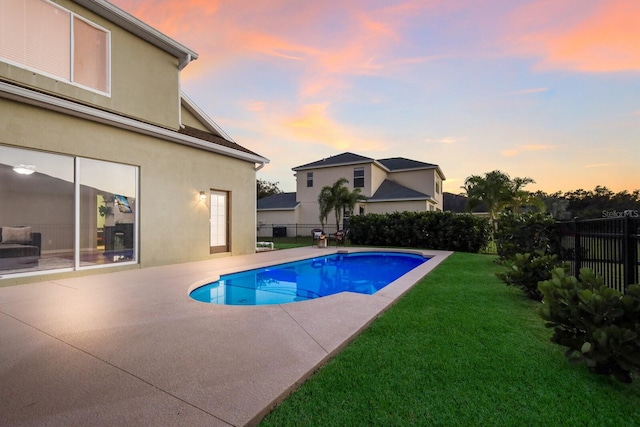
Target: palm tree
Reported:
point(520, 197)
point(325, 203)
point(497, 191)
point(348, 201)
point(337, 197)
point(494, 190)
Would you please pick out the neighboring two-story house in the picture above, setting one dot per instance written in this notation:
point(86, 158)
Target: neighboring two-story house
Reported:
point(104, 161)
point(393, 184)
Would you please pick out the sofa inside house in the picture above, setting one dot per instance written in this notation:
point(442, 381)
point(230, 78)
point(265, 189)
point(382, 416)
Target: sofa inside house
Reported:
point(19, 247)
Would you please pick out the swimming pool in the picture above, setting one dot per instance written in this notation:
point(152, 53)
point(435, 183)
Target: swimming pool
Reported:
point(361, 272)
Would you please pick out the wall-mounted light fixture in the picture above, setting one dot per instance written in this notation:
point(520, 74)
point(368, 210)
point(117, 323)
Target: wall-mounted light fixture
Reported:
point(203, 196)
point(24, 169)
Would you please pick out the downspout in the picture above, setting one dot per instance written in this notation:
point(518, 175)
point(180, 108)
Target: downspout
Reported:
point(260, 166)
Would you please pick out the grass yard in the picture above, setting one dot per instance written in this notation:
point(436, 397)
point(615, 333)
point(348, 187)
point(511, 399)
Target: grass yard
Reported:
point(460, 349)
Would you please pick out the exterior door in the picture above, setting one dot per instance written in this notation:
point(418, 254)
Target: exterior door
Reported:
point(219, 221)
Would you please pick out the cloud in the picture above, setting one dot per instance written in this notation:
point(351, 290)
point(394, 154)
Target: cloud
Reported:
point(596, 37)
point(313, 124)
point(509, 153)
point(255, 105)
point(527, 147)
point(537, 147)
point(597, 165)
point(527, 91)
point(446, 140)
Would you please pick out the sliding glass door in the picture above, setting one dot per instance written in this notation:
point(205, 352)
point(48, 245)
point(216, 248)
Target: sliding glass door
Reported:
point(62, 212)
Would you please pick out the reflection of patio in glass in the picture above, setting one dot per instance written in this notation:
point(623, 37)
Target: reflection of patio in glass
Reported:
point(100, 232)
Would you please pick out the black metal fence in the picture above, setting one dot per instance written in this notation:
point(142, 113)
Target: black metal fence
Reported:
point(292, 233)
point(608, 246)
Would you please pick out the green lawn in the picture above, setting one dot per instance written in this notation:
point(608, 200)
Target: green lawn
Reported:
point(460, 349)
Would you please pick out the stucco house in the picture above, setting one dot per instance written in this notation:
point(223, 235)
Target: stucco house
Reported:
point(392, 184)
point(104, 161)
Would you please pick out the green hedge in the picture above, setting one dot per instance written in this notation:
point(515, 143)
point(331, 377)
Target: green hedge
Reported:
point(526, 233)
point(432, 230)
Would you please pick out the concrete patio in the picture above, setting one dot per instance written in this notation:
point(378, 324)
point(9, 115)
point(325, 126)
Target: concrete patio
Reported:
point(132, 348)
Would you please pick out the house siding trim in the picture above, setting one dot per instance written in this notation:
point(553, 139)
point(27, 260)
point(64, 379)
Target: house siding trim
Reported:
point(52, 103)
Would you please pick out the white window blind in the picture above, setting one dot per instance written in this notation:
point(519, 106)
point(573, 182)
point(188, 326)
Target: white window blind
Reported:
point(37, 34)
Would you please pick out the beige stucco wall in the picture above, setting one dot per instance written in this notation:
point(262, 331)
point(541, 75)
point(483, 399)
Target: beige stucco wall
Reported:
point(189, 119)
point(308, 196)
point(144, 79)
point(278, 217)
point(268, 219)
point(174, 223)
point(422, 180)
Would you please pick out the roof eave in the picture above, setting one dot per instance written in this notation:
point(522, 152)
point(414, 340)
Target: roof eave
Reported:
point(212, 126)
point(42, 100)
point(132, 24)
point(276, 209)
point(362, 162)
point(406, 199)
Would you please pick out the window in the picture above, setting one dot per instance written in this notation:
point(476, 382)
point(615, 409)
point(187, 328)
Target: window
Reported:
point(108, 209)
point(41, 36)
point(358, 177)
point(219, 228)
point(81, 212)
point(309, 179)
point(438, 185)
point(361, 210)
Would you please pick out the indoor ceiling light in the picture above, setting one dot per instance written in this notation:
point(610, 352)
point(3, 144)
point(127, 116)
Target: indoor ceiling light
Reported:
point(25, 169)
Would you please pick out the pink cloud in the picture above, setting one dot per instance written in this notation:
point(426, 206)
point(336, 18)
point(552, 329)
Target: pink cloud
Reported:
point(595, 36)
point(331, 40)
point(312, 123)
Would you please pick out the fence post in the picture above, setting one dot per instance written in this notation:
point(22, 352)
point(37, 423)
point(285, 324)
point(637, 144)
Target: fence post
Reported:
point(577, 247)
point(629, 253)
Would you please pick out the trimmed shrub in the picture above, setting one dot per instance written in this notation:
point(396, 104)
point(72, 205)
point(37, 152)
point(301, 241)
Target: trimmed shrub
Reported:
point(433, 230)
point(599, 325)
point(525, 233)
point(527, 270)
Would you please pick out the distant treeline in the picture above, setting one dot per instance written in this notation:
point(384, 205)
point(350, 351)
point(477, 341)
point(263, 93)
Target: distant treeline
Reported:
point(597, 203)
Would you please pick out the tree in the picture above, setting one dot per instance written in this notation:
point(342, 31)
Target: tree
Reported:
point(521, 198)
point(498, 192)
point(266, 188)
point(337, 197)
point(494, 190)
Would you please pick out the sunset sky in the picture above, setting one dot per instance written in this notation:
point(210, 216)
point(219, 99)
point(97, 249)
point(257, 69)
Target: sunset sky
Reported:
point(547, 89)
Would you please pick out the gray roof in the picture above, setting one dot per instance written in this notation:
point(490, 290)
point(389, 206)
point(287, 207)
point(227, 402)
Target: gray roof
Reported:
point(400, 163)
point(392, 164)
point(340, 159)
point(390, 190)
point(281, 201)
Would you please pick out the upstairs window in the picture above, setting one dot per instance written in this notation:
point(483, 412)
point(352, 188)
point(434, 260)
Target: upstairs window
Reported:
point(41, 36)
point(437, 185)
point(358, 178)
point(309, 179)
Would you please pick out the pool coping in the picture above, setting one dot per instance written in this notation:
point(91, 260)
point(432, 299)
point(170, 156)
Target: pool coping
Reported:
point(133, 348)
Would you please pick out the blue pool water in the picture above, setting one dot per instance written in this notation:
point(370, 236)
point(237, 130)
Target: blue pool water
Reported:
point(362, 272)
